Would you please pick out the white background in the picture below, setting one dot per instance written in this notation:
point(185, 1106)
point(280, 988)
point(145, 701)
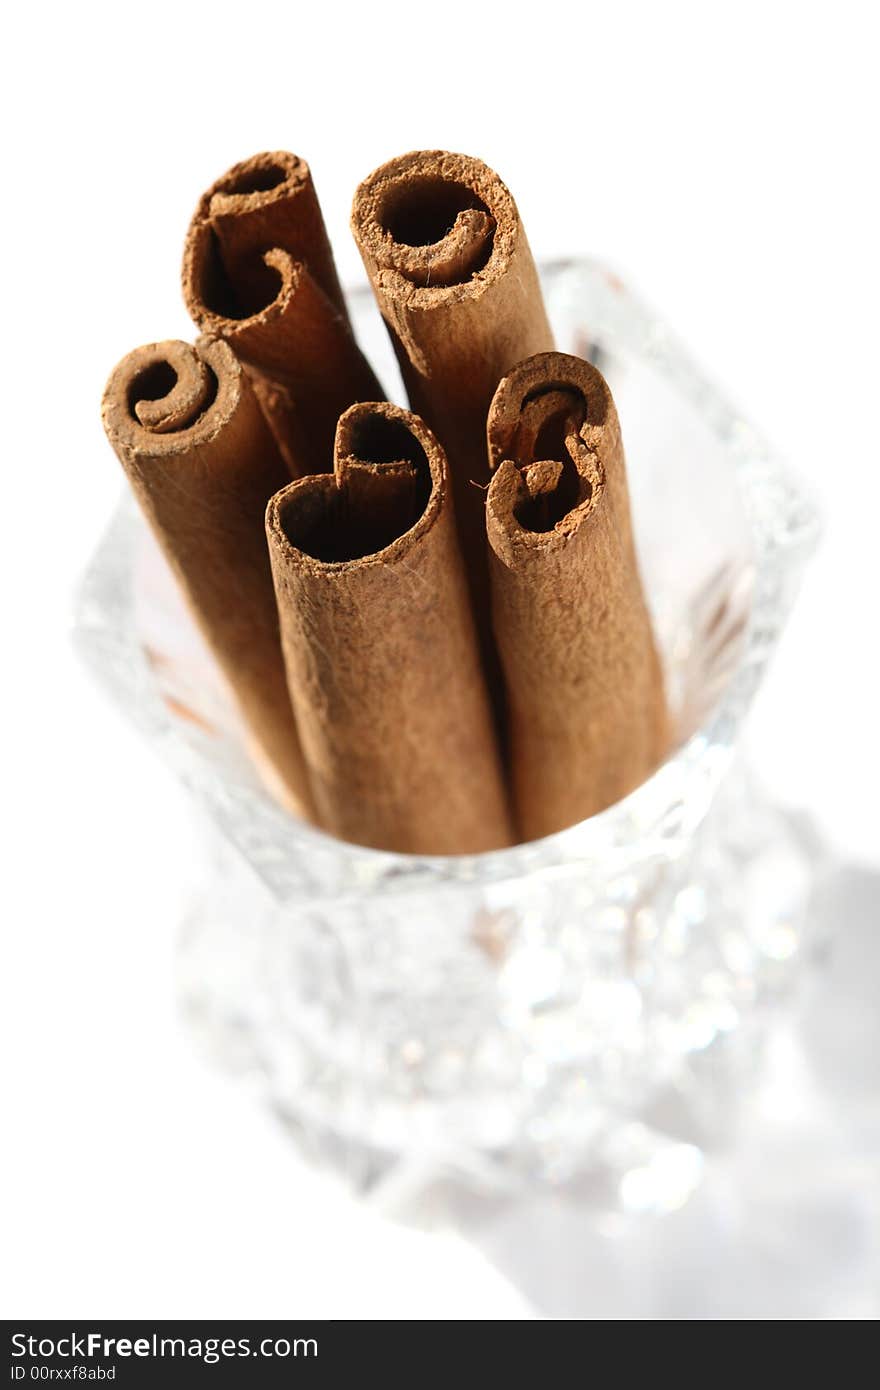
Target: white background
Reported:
point(724, 158)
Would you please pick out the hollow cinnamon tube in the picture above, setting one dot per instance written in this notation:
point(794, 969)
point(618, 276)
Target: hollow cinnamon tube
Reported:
point(587, 714)
point(258, 272)
point(451, 268)
point(188, 431)
point(378, 638)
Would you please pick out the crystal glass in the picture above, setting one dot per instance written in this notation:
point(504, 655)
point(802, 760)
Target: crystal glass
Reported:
point(584, 1004)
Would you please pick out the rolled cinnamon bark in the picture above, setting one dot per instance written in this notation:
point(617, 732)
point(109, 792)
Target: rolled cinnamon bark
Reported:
point(451, 268)
point(587, 713)
point(188, 431)
point(258, 272)
point(378, 638)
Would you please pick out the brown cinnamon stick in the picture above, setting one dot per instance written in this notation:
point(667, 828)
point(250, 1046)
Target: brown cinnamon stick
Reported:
point(379, 642)
point(190, 435)
point(258, 271)
point(451, 268)
point(585, 693)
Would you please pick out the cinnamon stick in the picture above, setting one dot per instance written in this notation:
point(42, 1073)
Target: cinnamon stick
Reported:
point(258, 271)
point(451, 268)
point(381, 654)
point(586, 704)
point(188, 431)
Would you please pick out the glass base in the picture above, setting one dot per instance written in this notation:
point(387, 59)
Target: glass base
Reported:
point(618, 1055)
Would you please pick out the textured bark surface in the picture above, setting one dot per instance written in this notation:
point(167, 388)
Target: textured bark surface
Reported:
point(188, 431)
point(258, 272)
point(381, 652)
point(587, 713)
point(451, 268)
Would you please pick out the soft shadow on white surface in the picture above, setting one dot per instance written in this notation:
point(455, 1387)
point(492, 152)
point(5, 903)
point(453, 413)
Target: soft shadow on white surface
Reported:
point(786, 1222)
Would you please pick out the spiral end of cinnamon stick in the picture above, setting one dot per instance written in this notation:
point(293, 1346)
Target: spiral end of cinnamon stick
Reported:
point(436, 223)
point(163, 398)
point(388, 485)
point(252, 234)
point(551, 427)
point(256, 183)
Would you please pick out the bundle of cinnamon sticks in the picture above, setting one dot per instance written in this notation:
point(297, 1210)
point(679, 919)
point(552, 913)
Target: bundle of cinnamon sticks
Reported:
point(432, 619)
